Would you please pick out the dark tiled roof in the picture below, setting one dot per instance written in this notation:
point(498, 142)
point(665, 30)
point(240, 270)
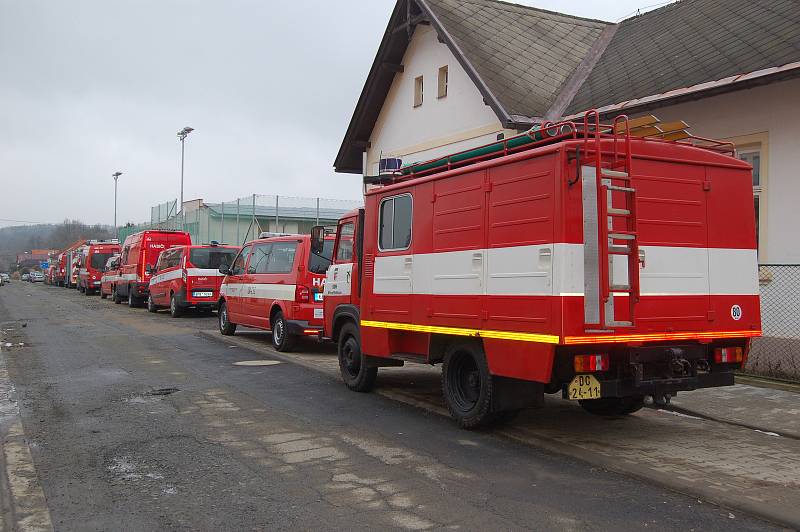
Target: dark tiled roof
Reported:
point(523, 54)
point(691, 42)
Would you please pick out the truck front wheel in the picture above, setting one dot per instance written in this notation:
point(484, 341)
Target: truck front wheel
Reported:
point(356, 373)
point(467, 385)
point(613, 406)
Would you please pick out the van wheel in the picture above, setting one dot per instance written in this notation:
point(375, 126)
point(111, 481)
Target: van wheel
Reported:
point(467, 386)
point(151, 307)
point(115, 297)
point(356, 373)
point(226, 328)
point(174, 309)
point(613, 406)
point(281, 339)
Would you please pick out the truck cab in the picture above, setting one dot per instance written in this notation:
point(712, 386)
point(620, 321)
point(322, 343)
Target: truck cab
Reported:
point(93, 262)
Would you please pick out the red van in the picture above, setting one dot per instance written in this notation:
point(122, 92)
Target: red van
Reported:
point(110, 276)
point(189, 277)
point(139, 251)
point(93, 262)
point(275, 284)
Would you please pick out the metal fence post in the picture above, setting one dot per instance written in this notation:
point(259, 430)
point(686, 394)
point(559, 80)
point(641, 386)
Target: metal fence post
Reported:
point(208, 225)
point(254, 213)
point(317, 211)
point(238, 241)
point(277, 230)
point(222, 225)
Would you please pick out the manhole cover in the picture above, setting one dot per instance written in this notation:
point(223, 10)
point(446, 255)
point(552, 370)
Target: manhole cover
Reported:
point(256, 363)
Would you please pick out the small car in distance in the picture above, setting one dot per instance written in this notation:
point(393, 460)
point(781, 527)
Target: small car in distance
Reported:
point(36, 277)
point(276, 284)
point(6, 278)
point(188, 277)
point(26, 277)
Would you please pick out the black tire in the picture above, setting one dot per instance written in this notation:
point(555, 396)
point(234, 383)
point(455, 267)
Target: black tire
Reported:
point(151, 307)
point(175, 310)
point(103, 295)
point(115, 297)
point(132, 301)
point(281, 339)
point(356, 373)
point(613, 406)
point(467, 386)
point(226, 328)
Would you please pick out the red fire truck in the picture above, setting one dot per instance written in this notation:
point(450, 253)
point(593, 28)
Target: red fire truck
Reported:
point(93, 263)
point(139, 254)
point(110, 276)
point(604, 262)
point(275, 284)
point(66, 259)
point(189, 277)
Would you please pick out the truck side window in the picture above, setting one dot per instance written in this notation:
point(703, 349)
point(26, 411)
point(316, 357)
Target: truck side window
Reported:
point(241, 260)
point(260, 259)
point(395, 223)
point(281, 258)
point(344, 253)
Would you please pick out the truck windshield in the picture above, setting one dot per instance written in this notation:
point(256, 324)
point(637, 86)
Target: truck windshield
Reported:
point(319, 263)
point(99, 260)
point(211, 258)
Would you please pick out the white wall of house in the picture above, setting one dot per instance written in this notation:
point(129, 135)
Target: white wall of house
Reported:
point(765, 118)
point(440, 125)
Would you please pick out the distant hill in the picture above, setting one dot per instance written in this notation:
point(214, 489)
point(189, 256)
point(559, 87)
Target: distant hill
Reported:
point(18, 239)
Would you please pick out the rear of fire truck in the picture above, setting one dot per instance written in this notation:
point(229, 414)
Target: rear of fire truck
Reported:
point(670, 275)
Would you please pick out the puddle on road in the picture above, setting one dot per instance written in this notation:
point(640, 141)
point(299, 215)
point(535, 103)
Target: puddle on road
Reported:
point(257, 363)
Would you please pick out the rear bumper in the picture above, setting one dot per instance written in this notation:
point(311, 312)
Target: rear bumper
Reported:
point(302, 328)
point(661, 387)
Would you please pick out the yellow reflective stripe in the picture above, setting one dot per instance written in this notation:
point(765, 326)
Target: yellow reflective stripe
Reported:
point(459, 331)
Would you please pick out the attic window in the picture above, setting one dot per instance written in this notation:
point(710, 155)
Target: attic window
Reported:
point(418, 91)
point(443, 82)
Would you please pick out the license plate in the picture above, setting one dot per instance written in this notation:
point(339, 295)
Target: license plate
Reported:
point(584, 387)
point(202, 294)
point(317, 297)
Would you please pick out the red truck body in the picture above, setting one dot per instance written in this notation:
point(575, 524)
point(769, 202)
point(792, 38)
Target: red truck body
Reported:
point(140, 251)
point(93, 263)
point(528, 272)
point(275, 284)
point(66, 275)
point(189, 277)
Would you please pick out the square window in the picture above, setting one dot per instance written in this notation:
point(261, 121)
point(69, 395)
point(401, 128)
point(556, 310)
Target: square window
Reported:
point(443, 82)
point(418, 89)
point(395, 223)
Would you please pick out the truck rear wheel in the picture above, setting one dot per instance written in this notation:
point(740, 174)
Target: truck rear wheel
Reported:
point(281, 339)
point(132, 301)
point(613, 406)
point(356, 373)
point(226, 328)
point(467, 386)
point(115, 297)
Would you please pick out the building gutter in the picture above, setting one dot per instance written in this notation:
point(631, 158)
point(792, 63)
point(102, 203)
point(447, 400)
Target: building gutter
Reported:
point(700, 90)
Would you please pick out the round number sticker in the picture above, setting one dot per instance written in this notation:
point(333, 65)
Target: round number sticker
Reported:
point(736, 312)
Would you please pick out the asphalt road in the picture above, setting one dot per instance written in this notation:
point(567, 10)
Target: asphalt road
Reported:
point(136, 421)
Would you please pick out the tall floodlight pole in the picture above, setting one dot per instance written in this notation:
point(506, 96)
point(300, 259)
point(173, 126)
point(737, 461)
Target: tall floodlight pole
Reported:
point(182, 134)
point(115, 175)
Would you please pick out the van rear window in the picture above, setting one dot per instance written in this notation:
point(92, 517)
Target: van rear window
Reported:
point(99, 260)
point(211, 258)
point(319, 263)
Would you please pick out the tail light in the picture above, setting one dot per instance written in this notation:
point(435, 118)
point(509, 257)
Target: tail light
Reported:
point(302, 294)
point(727, 355)
point(589, 363)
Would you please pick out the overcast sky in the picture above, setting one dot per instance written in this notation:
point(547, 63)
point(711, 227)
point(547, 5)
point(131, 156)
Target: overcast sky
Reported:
point(89, 87)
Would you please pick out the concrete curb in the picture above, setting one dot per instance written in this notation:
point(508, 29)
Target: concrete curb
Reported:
point(773, 514)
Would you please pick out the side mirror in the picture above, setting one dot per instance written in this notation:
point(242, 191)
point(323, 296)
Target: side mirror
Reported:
point(225, 269)
point(317, 239)
point(149, 268)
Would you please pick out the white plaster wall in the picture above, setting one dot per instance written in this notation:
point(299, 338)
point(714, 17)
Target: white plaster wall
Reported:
point(439, 126)
point(775, 110)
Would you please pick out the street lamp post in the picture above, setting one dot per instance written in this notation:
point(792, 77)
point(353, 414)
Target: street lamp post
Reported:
point(115, 175)
point(182, 134)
